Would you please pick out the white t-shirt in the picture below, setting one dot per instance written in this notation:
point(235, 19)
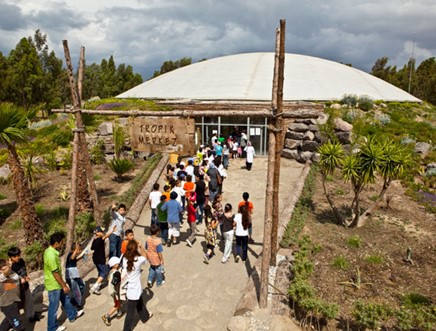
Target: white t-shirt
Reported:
point(154, 197)
point(134, 287)
point(180, 193)
point(239, 228)
point(190, 170)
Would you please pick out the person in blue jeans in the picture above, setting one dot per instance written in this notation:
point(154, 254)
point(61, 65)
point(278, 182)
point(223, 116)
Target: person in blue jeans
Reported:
point(115, 239)
point(153, 246)
point(173, 209)
point(162, 220)
point(58, 290)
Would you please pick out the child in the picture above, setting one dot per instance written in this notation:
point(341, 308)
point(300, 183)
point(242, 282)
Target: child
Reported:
point(10, 297)
point(180, 193)
point(19, 267)
point(99, 257)
point(167, 192)
point(114, 290)
point(209, 233)
point(242, 221)
point(153, 246)
point(76, 283)
point(249, 206)
point(118, 218)
point(153, 200)
point(192, 218)
point(173, 209)
point(129, 235)
point(162, 220)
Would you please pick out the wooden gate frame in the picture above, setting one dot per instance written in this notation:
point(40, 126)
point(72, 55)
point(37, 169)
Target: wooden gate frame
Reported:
point(275, 113)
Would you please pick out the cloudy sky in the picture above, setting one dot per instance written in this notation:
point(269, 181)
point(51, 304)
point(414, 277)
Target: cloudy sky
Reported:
point(144, 33)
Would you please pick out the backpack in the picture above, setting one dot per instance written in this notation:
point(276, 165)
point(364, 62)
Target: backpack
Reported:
point(116, 278)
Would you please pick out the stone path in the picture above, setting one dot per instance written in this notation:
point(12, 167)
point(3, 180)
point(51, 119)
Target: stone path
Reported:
point(196, 296)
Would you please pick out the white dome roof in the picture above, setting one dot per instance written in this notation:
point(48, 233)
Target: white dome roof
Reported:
point(248, 77)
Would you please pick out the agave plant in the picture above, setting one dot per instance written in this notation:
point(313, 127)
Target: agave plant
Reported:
point(120, 167)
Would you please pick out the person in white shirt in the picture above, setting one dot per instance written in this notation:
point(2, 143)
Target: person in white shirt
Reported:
point(242, 220)
point(153, 200)
point(250, 153)
point(134, 259)
point(190, 168)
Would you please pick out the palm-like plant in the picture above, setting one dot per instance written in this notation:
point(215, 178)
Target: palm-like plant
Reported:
point(120, 167)
point(374, 158)
point(13, 123)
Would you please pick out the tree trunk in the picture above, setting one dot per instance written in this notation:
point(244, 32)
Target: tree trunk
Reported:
point(374, 206)
point(32, 225)
point(339, 218)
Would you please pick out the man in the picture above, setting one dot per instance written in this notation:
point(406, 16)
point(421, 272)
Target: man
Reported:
point(58, 290)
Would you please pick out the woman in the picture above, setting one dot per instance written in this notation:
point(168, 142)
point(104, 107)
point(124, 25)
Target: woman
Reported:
point(250, 153)
point(228, 226)
point(242, 220)
point(133, 260)
point(210, 233)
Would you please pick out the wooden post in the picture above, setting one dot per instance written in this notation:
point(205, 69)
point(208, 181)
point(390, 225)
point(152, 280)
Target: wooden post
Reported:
point(266, 251)
point(72, 209)
point(271, 185)
point(83, 146)
point(80, 75)
point(280, 61)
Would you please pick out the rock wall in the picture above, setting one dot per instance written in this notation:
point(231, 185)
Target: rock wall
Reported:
point(303, 137)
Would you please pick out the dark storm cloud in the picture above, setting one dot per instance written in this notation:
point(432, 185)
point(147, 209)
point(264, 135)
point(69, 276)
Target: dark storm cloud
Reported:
point(146, 33)
point(11, 17)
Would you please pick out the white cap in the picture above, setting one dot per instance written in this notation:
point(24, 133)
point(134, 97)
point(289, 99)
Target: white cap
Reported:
point(113, 260)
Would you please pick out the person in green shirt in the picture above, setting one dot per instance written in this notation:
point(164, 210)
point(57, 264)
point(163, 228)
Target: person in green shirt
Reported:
point(58, 290)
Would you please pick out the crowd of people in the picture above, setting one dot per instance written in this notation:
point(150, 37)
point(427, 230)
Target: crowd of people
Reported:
point(191, 192)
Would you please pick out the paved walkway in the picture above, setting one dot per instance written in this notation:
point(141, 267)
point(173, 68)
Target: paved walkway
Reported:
point(197, 296)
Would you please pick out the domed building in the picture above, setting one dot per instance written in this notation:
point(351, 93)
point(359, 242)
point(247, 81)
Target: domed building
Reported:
point(247, 78)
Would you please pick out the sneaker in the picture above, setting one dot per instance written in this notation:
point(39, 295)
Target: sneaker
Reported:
point(106, 320)
point(206, 258)
point(150, 315)
point(163, 283)
point(237, 258)
point(95, 291)
point(120, 314)
point(189, 243)
point(224, 261)
point(79, 314)
point(61, 328)
point(169, 243)
point(149, 284)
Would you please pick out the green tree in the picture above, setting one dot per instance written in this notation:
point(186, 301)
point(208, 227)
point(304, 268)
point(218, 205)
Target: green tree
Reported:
point(3, 76)
point(169, 65)
point(24, 75)
point(13, 123)
point(374, 157)
point(425, 78)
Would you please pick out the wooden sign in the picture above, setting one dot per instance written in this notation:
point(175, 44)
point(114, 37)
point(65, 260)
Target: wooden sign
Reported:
point(162, 134)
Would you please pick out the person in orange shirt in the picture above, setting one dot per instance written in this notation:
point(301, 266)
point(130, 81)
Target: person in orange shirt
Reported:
point(129, 235)
point(166, 192)
point(189, 188)
point(250, 207)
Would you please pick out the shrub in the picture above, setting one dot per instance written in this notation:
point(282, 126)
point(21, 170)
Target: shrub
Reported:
point(369, 315)
point(366, 103)
point(354, 242)
point(340, 262)
point(63, 138)
point(34, 255)
point(2, 197)
point(16, 225)
point(350, 100)
point(120, 167)
point(374, 259)
point(97, 152)
point(55, 225)
point(85, 223)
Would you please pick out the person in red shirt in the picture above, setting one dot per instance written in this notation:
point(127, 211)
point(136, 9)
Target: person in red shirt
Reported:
point(250, 207)
point(192, 218)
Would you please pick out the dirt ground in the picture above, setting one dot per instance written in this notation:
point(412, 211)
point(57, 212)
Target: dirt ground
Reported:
point(50, 184)
point(384, 240)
